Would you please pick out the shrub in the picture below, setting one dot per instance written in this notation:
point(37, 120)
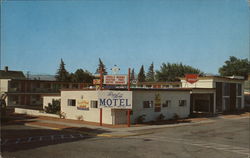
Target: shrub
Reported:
point(54, 107)
point(62, 115)
point(141, 118)
point(161, 117)
point(176, 117)
point(80, 117)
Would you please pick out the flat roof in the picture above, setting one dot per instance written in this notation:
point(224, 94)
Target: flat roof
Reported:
point(215, 77)
point(50, 81)
point(141, 89)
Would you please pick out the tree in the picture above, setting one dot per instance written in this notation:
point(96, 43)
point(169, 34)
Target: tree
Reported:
point(81, 76)
point(102, 67)
point(54, 107)
point(151, 73)
point(235, 66)
point(172, 72)
point(62, 74)
point(132, 75)
point(141, 75)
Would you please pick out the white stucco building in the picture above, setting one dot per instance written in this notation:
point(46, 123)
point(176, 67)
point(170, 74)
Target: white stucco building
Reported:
point(151, 103)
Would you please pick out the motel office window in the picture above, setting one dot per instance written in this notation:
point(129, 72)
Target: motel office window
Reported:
point(71, 102)
point(182, 103)
point(238, 95)
point(147, 104)
point(167, 103)
point(93, 104)
point(226, 89)
point(239, 89)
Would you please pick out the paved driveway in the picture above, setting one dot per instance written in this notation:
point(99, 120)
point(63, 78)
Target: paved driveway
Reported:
point(224, 138)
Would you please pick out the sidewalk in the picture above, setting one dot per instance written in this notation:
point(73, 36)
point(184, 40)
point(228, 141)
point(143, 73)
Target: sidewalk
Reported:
point(94, 129)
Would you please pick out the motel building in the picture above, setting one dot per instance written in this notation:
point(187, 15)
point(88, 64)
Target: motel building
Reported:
point(114, 106)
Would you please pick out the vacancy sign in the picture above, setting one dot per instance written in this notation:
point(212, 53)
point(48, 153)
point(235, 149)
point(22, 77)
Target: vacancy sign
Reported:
point(115, 99)
point(191, 78)
point(115, 79)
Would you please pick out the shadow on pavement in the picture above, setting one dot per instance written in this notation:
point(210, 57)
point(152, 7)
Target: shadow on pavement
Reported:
point(16, 136)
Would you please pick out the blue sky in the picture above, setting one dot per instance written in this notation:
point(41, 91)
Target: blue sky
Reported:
point(201, 33)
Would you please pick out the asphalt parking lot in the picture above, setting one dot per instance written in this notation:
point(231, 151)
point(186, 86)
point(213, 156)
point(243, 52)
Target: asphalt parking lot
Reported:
point(223, 138)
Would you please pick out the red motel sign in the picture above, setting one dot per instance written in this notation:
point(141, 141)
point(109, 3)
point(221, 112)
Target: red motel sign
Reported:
point(191, 78)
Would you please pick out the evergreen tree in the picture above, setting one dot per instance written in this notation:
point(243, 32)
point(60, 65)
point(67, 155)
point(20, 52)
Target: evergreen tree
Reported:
point(102, 67)
point(151, 73)
point(132, 75)
point(141, 75)
point(62, 74)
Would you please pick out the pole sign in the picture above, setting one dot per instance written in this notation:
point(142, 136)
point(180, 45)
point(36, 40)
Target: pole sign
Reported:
point(191, 78)
point(115, 99)
point(115, 79)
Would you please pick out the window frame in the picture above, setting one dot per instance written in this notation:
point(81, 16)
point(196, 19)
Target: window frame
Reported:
point(150, 104)
point(182, 101)
point(71, 101)
point(91, 104)
point(166, 104)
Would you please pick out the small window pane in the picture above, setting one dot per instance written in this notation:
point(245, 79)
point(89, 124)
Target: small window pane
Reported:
point(167, 103)
point(226, 89)
point(239, 89)
point(147, 104)
point(93, 104)
point(71, 102)
point(182, 102)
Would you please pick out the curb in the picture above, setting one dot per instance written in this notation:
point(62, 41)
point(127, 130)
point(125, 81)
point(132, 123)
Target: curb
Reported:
point(91, 134)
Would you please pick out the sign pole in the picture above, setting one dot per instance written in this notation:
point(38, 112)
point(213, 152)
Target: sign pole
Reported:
point(128, 116)
point(128, 79)
point(101, 79)
point(100, 116)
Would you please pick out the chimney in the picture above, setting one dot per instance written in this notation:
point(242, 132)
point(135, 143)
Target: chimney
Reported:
point(6, 69)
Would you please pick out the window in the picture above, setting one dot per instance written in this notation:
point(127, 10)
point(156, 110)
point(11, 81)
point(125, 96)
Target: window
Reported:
point(46, 85)
point(65, 85)
point(75, 86)
point(182, 103)
point(71, 102)
point(239, 89)
point(226, 103)
point(239, 102)
point(167, 103)
point(147, 104)
point(226, 89)
point(93, 104)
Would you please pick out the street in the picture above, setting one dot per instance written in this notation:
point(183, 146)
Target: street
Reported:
point(223, 138)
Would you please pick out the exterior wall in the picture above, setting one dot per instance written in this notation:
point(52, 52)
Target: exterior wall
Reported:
point(48, 99)
point(34, 112)
point(168, 112)
point(4, 85)
point(4, 88)
point(119, 116)
point(92, 115)
point(199, 84)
